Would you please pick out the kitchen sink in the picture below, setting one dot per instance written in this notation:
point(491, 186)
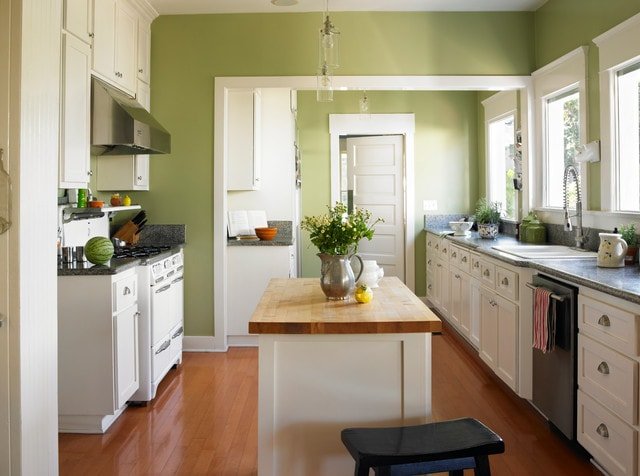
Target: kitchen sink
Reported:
point(545, 251)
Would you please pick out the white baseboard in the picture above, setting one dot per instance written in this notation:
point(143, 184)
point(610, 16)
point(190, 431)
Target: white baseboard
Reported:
point(199, 344)
point(242, 341)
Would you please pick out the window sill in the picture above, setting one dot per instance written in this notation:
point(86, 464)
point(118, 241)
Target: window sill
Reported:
point(604, 220)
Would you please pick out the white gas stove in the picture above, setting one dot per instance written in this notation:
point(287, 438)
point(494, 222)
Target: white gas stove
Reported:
point(160, 331)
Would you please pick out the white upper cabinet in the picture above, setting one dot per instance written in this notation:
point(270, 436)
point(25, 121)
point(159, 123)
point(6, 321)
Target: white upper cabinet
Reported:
point(144, 50)
point(77, 19)
point(115, 28)
point(243, 140)
point(75, 114)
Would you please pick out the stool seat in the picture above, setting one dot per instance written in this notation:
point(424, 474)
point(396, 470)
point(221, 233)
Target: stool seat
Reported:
point(453, 444)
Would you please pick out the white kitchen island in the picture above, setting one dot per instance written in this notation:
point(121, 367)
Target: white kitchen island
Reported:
point(328, 365)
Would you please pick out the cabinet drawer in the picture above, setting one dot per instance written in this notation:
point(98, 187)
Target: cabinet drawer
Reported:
point(614, 326)
point(459, 257)
point(608, 376)
point(488, 274)
point(506, 283)
point(609, 440)
point(444, 249)
point(125, 292)
point(476, 269)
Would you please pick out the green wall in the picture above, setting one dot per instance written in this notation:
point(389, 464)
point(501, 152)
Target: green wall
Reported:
point(446, 162)
point(188, 51)
point(562, 26)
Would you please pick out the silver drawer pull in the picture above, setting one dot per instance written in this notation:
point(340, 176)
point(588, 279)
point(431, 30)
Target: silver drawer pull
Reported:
point(163, 289)
point(126, 291)
point(178, 332)
point(457, 276)
point(476, 264)
point(505, 282)
point(486, 273)
point(454, 254)
point(603, 368)
point(604, 321)
point(464, 259)
point(602, 430)
point(493, 303)
point(165, 345)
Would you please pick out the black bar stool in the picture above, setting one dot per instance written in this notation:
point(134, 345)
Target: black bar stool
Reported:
point(451, 445)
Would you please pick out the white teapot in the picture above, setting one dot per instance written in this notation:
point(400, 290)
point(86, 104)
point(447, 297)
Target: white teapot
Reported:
point(371, 273)
point(612, 250)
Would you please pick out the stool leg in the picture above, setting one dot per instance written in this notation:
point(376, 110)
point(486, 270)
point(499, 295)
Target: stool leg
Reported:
point(361, 469)
point(456, 472)
point(482, 466)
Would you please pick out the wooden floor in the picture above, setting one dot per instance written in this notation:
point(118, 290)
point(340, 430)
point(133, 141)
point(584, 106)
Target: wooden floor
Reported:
point(204, 421)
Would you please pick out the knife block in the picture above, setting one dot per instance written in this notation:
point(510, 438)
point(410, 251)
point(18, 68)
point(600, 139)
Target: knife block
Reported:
point(128, 232)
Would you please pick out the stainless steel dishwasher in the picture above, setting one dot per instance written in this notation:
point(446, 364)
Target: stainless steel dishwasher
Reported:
point(555, 372)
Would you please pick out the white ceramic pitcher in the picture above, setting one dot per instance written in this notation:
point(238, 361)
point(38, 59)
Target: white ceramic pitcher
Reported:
point(371, 273)
point(612, 250)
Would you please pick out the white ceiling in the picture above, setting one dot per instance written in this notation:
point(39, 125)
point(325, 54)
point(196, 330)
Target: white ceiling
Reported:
point(173, 7)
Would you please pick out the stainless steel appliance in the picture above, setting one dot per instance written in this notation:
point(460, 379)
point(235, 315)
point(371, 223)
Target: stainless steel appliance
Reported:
point(161, 307)
point(555, 373)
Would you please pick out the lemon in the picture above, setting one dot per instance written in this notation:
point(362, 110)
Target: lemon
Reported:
point(126, 201)
point(364, 294)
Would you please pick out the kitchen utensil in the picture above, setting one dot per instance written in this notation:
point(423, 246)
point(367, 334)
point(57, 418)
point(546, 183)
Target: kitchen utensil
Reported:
point(267, 233)
point(118, 243)
point(460, 228)
point(78, 253)
point(67, 254)
point(612, 250)
point(140, 216)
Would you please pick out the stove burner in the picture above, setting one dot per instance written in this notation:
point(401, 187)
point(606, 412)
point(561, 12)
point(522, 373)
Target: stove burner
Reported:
point(139, 251)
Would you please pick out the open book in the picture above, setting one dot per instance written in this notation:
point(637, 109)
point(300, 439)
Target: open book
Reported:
point(244, 222)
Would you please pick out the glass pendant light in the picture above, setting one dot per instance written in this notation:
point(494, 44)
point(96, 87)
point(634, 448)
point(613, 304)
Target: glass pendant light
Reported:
point(5, 197)
point(363, 104)
point(324, 90)
point(329, 42)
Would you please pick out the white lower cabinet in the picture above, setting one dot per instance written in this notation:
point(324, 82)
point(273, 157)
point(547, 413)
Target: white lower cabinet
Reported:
point(459, 294)
point(97, 349)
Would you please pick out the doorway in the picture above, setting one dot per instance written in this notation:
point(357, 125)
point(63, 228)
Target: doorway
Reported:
point(371, 178)
point(388, 189)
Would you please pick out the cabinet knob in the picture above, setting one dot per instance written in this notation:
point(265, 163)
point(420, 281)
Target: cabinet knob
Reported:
point(603, 368)
point(428, 261)
point(476, 264)
point(429, 286)
point(137, 314)
point(604, 321)
point(505, 282)
point(457, 276)
point(439, 265)
point(602, 430)
point(91, 35)
point(126, 291)
point(89, 173)
point(141, 71)
point(486, 273)
point(454, 254)
point(464, 259)
point(139, 177)
point(444, 250)
point(493, 303)
point(437, 247)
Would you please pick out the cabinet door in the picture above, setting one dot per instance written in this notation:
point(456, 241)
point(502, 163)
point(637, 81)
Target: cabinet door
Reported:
point(144, 46)
point(507, 365)
point(126, 354)
point(464, 312)
point(125, 46)
point(77, 19)
point(455, 296)
point(75, 113)
point(104, 37)
point(488, 328)
point(474, 311)
point(243, 143)
point(444, 288)
point(141, 162)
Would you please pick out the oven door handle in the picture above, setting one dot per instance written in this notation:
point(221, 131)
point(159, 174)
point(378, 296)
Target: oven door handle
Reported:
point(177, 280)
point(165, 345)
point(163, 289)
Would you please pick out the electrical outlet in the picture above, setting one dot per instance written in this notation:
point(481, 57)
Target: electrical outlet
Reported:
point(430, 205)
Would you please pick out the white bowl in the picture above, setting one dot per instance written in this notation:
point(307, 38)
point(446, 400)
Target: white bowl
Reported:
point(460, 228)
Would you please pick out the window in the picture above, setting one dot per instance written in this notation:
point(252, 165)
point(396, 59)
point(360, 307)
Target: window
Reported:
point(561, 127)
point(501, 154)
point(627, 137)
point(562, 133)
point(500, 111)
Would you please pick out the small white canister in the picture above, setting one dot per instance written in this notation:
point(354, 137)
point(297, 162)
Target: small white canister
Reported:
point(371, 273)
point(612, 250)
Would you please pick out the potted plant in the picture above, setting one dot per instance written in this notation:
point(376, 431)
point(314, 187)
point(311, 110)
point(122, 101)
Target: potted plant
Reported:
point(488, 218)
point(337, 234)
point(628, 234)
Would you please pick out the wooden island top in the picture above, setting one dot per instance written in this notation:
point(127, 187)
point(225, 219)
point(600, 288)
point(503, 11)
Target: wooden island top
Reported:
point(298, 306)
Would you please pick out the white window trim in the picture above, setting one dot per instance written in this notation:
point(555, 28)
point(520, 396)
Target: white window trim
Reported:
point(563, 74)
point(498, 106)
point(618, 47)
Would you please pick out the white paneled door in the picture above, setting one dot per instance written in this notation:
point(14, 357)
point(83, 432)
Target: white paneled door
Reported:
point(5, 462)
point(376, 177)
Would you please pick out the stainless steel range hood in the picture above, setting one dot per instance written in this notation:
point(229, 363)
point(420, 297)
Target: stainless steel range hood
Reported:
point(119, 126)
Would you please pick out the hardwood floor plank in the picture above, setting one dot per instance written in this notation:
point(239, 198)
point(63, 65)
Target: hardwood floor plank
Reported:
point(204, 421)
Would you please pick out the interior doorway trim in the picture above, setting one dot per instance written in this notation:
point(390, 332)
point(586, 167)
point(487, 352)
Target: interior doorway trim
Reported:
point(381, 124)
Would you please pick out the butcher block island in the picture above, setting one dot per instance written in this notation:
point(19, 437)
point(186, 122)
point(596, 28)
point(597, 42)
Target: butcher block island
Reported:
point(327, 365)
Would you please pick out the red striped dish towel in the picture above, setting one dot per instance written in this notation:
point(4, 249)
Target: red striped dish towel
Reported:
point(541, 298)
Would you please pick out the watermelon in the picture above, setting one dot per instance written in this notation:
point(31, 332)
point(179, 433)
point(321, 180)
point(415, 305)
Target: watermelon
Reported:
point(98, 250)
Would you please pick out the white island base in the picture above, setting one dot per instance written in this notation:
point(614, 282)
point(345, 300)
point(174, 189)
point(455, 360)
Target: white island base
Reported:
point(313, 386)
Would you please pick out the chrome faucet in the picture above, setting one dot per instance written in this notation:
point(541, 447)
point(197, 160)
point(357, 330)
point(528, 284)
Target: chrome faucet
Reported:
point(571, 172)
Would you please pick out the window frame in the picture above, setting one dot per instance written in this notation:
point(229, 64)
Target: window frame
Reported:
point(496, 107)
point(558, 77)
point(618, 49)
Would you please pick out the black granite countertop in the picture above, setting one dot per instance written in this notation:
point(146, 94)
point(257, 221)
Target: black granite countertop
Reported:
point(284, 237)
point(621, 282)
point(85, 268)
